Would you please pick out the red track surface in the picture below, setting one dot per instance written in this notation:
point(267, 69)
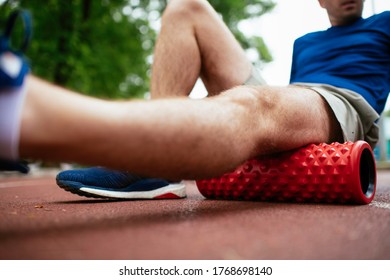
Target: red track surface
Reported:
point(38, 220)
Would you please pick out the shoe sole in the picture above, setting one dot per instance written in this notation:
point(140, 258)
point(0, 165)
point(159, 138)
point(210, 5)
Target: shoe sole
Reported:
point(172, 191)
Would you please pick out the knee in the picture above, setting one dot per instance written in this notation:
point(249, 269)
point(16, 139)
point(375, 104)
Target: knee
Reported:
point(185, 9)
point(259, 99)
point(257, 109)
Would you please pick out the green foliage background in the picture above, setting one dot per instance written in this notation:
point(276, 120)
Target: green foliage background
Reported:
point(104, 47)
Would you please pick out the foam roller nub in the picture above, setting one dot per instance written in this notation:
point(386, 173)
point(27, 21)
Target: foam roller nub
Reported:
point(325, 173)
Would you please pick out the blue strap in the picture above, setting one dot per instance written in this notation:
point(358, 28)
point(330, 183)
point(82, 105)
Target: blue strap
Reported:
point(27, 22)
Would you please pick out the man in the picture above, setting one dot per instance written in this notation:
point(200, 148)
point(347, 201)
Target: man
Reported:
point(194, 42)
point(178, 138)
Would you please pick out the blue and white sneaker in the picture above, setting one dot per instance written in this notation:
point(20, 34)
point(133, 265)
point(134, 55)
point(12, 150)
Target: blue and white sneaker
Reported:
point(98, 182)
point(13, 70)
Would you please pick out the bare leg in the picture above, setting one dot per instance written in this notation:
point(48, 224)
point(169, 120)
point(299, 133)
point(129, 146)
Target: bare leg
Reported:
point(194, 42)
point(210, 136)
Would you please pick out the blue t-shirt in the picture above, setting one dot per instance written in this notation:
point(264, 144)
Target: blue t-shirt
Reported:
point(355, 57)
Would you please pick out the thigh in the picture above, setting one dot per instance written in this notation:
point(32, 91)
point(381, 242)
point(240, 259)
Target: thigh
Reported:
point(284, 118)
point(308, 118)
point(224, 62)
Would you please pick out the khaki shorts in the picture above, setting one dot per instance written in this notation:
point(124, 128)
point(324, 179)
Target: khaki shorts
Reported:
point(358, 120)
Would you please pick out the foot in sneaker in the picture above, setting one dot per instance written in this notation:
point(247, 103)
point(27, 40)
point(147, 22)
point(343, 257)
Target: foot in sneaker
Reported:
point(100, 182)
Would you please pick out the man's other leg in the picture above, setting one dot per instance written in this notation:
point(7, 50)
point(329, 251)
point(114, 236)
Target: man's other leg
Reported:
point(194, 42)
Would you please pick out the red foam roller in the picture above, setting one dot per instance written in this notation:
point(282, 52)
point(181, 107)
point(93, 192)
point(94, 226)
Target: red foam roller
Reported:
point(342, 173)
